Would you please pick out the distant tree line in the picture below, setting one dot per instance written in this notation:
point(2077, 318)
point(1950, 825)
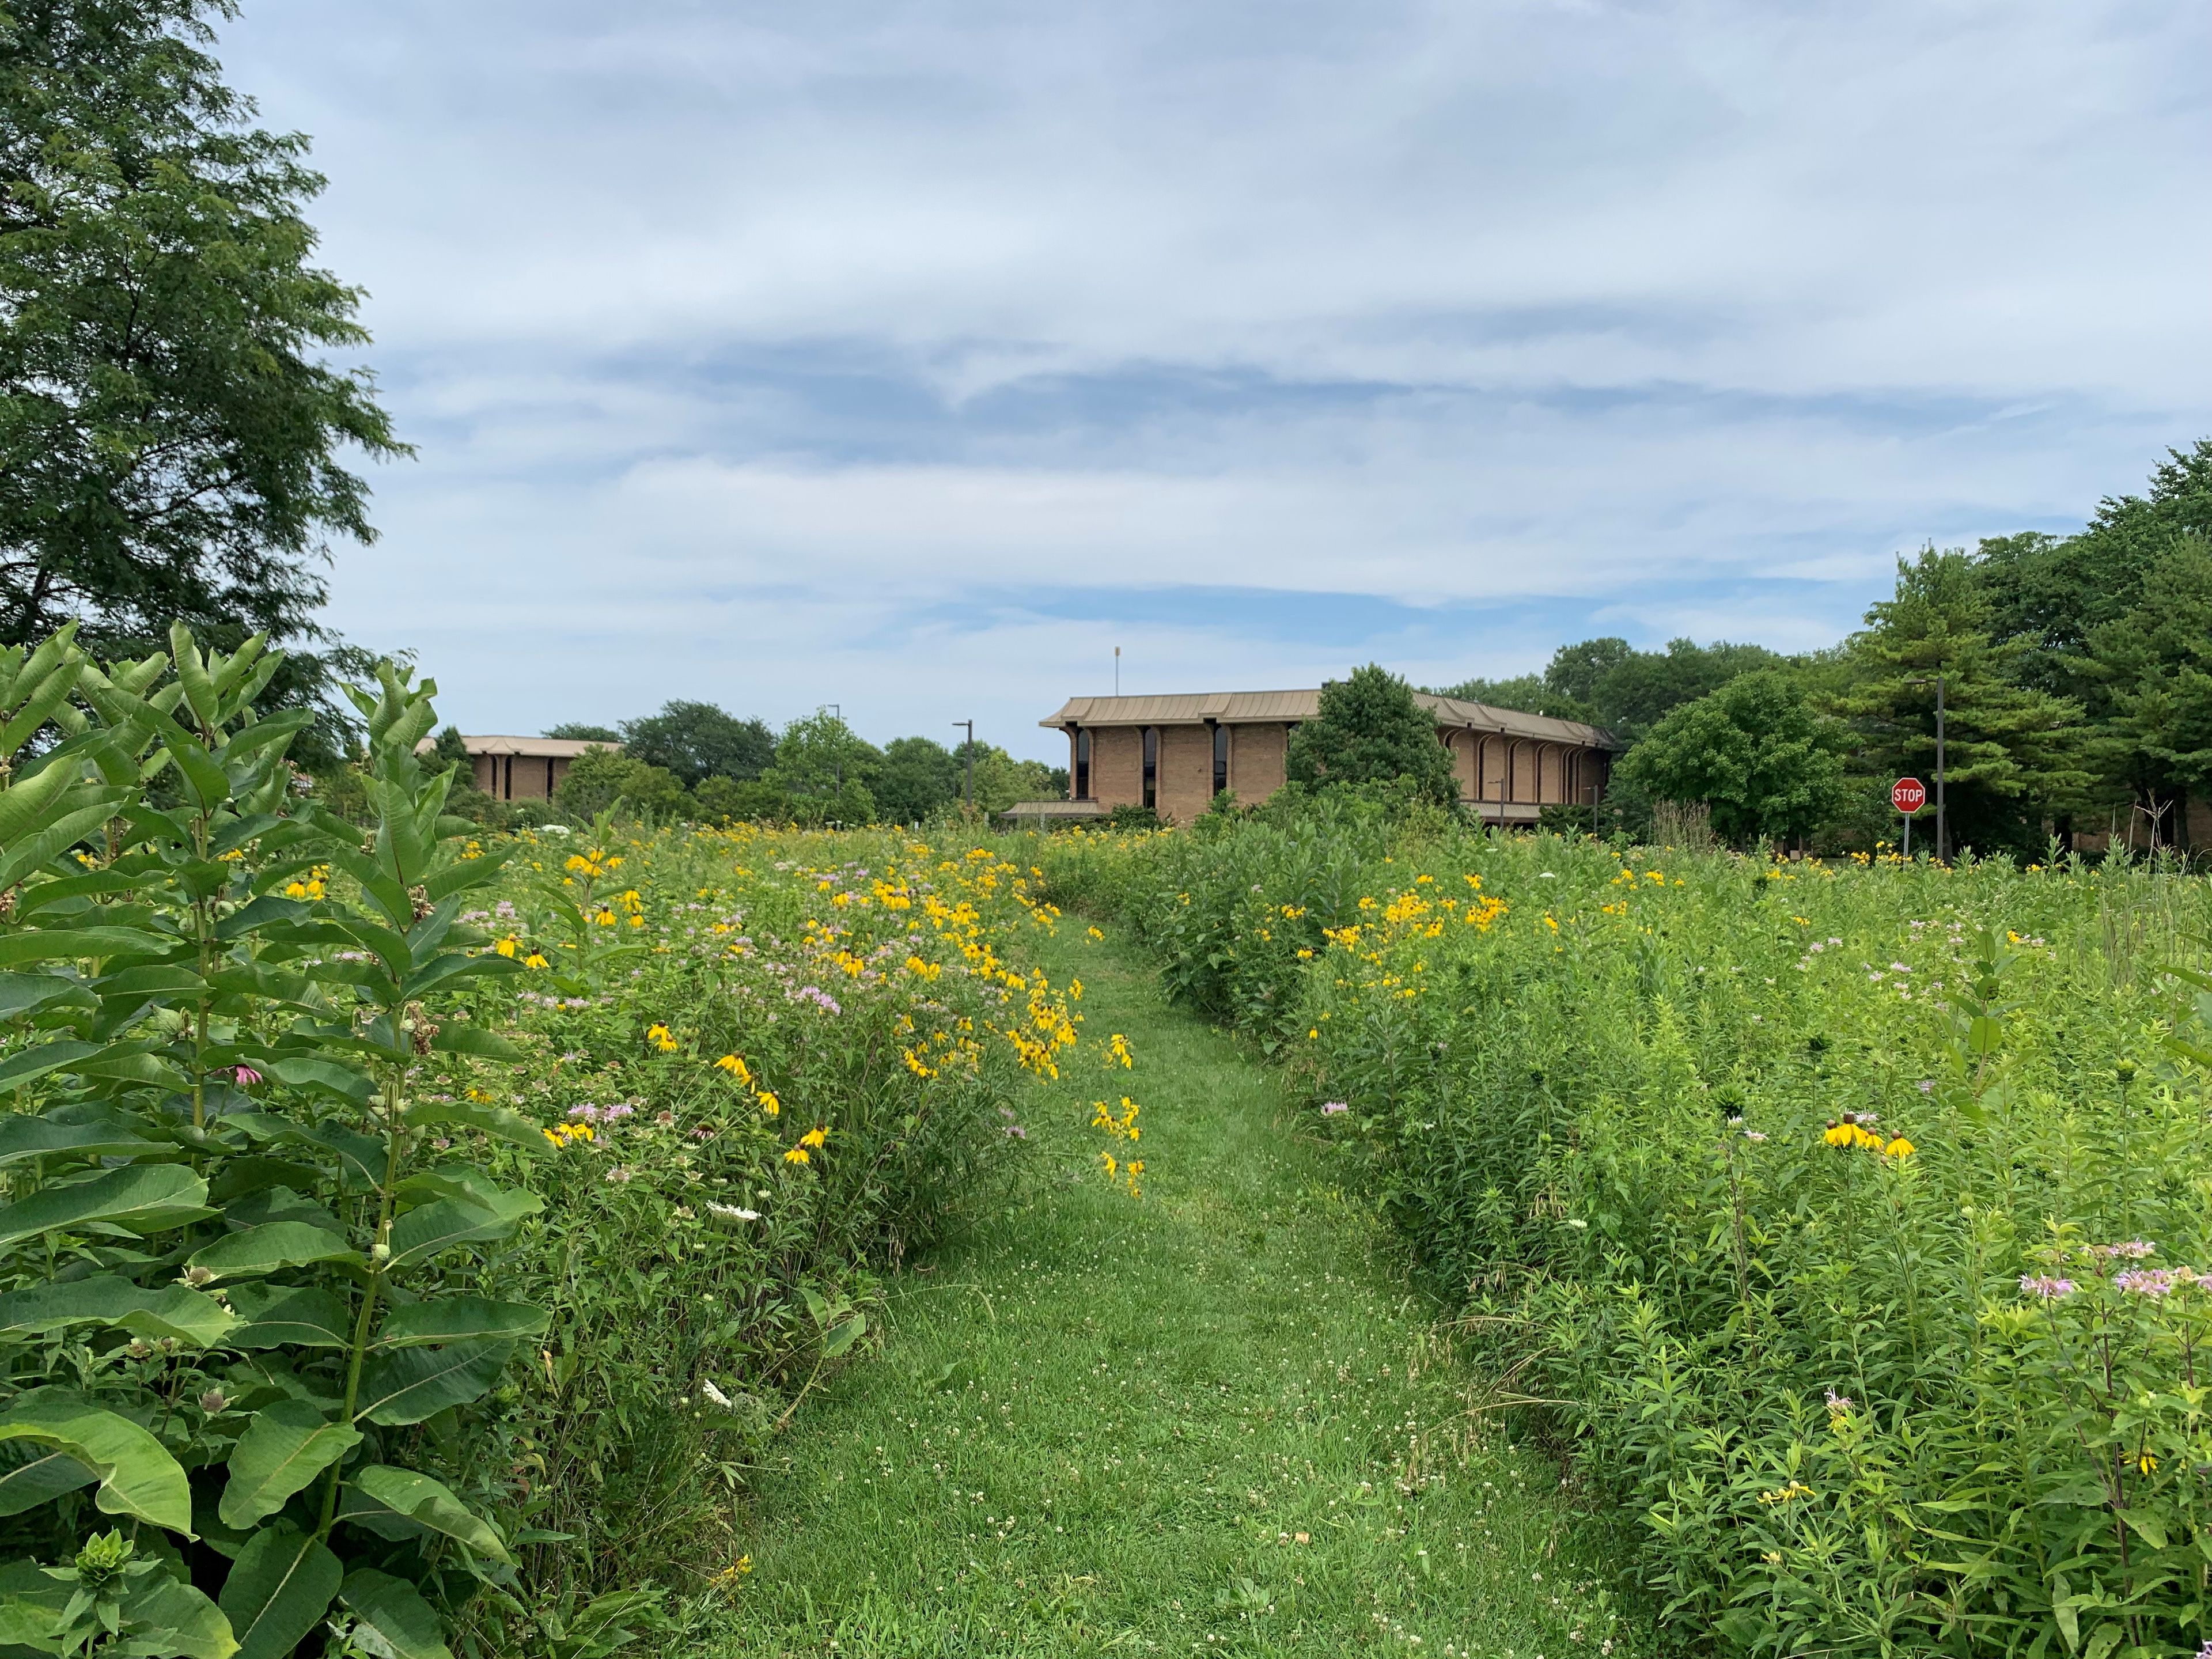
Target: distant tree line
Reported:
point(2077, 691)
point(696, 760)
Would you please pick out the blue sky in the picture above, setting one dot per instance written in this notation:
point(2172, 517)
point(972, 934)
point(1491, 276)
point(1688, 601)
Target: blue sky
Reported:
point(911, 357)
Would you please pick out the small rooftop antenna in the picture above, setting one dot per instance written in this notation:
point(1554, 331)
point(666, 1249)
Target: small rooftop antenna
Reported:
point(1117, 670)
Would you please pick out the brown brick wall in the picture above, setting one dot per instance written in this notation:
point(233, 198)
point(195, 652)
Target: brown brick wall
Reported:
point(1117, 765)
point(1257, 755)
point(1186, 780)
point(1461, 744)
point(1491, 756)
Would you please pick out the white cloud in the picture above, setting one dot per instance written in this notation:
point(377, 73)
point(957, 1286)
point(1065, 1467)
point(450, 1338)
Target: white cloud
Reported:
point(743, 341)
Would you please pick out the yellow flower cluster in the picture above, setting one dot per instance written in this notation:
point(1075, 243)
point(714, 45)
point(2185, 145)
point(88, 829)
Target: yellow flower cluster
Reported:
point(593, 865)
point(309, 886)
point(1121, 1124)
point(1850, 1132)
point(562, 1135)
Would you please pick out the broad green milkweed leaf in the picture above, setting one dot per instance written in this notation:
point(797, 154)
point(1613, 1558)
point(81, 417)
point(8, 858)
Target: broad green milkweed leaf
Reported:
point(498, 1121)
point(144, 1197)
point(171, 1312)
point(22, 992)
point(129, 1061)
point(137, 1476)
point(435, 1228)
point(68, 944)
point(41, 1058)
point(265, 1249)
point(174, 1619)
point(284, 1449)
point(844, 1335)
point(406, 1385)
point(407, 1625)
point(306, 1072)
point(465, 1039)
point(22, 1136)
point(43, 1475)
point(25, 803)
point(282, 1583)
point(431, 1504)
point(283, 1316)
point(461, 1319)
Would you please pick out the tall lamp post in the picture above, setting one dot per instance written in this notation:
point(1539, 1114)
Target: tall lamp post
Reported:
point(970, 751)
point(1942, 828)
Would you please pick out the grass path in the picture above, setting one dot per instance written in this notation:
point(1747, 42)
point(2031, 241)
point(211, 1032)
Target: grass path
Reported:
point(1208, 1420)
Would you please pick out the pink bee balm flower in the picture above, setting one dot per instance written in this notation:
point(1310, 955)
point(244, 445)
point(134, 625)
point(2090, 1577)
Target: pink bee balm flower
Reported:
point(1331, 1108)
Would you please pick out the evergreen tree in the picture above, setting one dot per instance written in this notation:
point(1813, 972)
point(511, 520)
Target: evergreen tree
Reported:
point(2152, 668)
point(1369, 729)
point(2013, 753)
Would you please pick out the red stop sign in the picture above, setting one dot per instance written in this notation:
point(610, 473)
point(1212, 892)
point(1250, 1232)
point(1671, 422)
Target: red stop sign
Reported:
point(1908, 795)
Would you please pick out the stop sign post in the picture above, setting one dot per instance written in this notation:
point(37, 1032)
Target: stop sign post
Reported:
point(1908, 796)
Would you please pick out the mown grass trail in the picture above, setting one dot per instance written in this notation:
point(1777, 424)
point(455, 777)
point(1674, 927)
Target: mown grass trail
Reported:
point(1205, 1421)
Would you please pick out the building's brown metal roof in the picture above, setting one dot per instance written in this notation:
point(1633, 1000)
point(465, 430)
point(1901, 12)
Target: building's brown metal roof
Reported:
point(1235, 708)
point(527, 748)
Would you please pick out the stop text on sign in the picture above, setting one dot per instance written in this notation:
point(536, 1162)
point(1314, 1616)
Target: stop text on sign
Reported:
point(1908, 795)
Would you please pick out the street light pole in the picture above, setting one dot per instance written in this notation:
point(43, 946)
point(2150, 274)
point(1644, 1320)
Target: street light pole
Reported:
point(970, 751)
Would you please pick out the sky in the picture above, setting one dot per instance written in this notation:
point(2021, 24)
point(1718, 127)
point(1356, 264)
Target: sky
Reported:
point(909, 358)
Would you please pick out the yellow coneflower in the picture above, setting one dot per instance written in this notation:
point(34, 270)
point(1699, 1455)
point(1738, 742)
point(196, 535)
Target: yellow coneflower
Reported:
point(798, 1155)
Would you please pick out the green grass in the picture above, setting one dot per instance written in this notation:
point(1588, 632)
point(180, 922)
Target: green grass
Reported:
point(1212, 1420)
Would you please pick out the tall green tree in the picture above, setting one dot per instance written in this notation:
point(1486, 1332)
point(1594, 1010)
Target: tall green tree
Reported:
point(918, 779)
point(1754, 751)
point(171, 430)
point(2153, 671)
point(2014, 753)
point(698, 740)
point(1369, 729)
point(2055, 591)
point(1607, 683)
point(826, 769)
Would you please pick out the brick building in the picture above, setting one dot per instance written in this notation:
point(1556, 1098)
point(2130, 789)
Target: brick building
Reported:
point(1176, 753)
point(524, 768)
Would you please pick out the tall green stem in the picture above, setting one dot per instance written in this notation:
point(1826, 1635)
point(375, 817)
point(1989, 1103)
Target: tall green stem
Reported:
point(380, 1254)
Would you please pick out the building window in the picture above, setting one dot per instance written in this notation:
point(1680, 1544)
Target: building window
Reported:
point(1083, 765)
point(1220, 758)
point(1152, 766)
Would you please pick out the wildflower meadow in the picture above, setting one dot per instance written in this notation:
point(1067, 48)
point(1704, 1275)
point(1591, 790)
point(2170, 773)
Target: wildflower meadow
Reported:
point(409, 1240)
point(1845, 1223)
